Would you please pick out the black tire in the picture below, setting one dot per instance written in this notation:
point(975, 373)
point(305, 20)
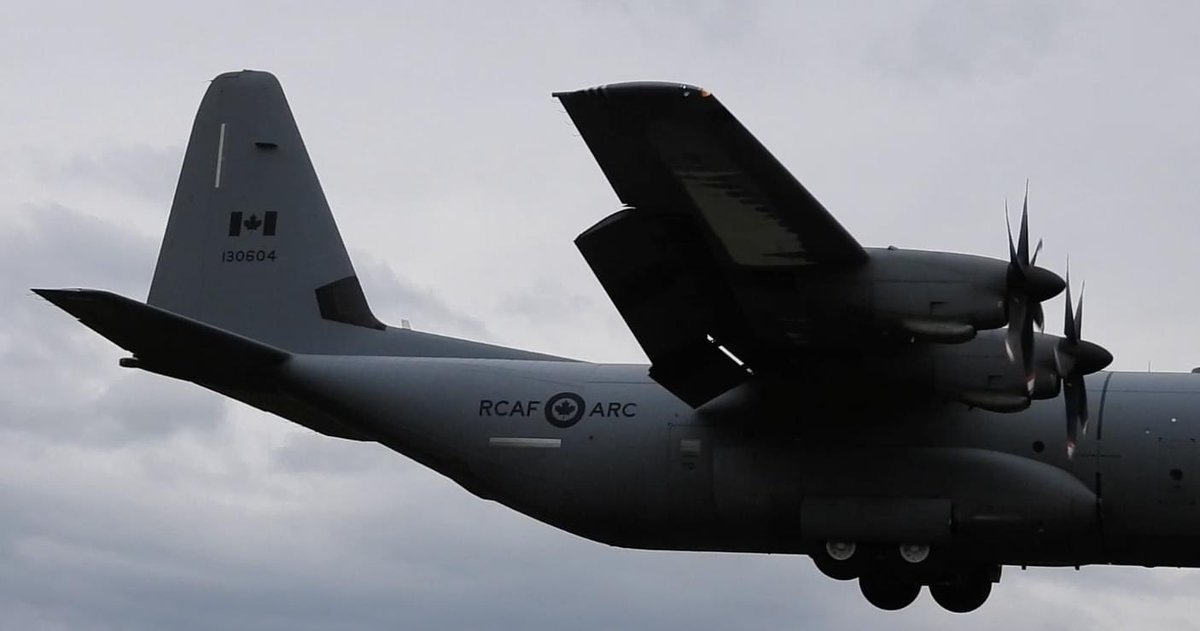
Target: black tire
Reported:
point(847, 570)
point(964, 595)
point(888, 592)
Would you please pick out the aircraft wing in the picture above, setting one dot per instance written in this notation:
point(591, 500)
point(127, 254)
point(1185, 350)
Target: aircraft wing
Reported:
point(673, 148)
point(699, 263)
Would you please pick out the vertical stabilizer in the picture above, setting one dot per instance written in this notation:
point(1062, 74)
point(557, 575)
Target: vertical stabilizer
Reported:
point(251, 245)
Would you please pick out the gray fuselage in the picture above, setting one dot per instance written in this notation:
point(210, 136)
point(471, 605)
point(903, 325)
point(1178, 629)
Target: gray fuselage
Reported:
point(635, 467)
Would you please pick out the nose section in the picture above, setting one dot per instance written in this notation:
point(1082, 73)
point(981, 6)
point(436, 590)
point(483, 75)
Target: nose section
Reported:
point(1043, 284)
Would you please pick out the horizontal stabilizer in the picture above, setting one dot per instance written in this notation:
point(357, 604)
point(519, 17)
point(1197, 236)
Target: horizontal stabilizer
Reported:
point(166, 342)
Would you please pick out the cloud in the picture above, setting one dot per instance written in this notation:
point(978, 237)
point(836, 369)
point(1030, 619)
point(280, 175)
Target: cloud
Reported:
point(965, 41)
point(132, 408)
point(394, 298)
point(310, 452)
point(53, 245)
point(721, 23)
point(67, 388)
point(579, 318)
point(139, 170)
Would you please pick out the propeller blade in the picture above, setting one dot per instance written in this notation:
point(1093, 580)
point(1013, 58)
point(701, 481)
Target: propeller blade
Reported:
point(1079, 315)
point(1016, 319)
point(1064, 359)
point(1039, 316)
point(1075, 396)
point(1036, 251)
point(1023, 238)
point(1027, 350)
point(1071, 389)
point(1018, 342)
point(1082, 407)
point(1069, 329)
point(1012, 249)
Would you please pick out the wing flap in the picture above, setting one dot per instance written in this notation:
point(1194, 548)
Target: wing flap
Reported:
point(672, 314)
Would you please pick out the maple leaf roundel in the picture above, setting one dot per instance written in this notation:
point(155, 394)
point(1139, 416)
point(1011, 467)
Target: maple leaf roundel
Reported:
point(564, 409)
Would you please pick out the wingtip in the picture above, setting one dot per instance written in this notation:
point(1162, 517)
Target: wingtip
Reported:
point(51, 294)
point(61, 298)
point(66, 298)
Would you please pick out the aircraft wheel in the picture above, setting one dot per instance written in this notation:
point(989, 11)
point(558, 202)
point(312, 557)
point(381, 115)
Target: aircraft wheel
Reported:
point(966, 594)
point(840, 560)
point(888, 592)
point(914, 553)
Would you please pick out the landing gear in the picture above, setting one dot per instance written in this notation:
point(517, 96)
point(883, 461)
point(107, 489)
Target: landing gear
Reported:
point(890, 576)
point(888, 591)
point(965, 593)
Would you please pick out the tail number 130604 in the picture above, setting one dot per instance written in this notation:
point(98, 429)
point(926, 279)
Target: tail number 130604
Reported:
point(248, 256)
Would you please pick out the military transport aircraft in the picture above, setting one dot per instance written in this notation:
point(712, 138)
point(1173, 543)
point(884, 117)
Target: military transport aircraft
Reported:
point(888, 412)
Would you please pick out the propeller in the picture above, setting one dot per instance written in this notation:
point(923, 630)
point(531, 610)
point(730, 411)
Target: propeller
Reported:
point(1026, 287)
point(1075, 358)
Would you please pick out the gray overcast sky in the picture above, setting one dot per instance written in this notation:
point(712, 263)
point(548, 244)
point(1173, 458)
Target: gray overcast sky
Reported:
point(129, 501)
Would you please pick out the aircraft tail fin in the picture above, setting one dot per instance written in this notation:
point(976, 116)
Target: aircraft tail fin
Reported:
point(252, 250)
point(251, 246)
